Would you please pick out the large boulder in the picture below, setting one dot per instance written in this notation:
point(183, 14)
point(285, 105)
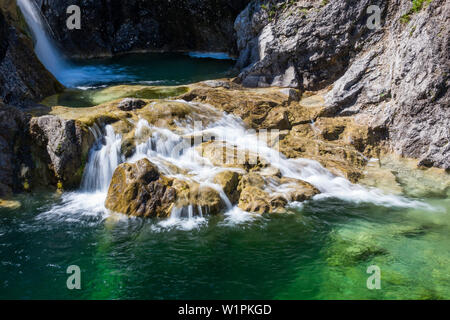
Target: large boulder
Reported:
point(259, 194)
point(139, 190)
point(62, 146)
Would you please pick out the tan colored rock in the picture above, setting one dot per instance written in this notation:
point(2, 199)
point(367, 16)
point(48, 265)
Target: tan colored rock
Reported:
point(10, 204)
point(255, 200)
point(191, 193)
point(139, 190)
point(257, 194)
point(223, 155)
point(277, 118)
point(229, 181)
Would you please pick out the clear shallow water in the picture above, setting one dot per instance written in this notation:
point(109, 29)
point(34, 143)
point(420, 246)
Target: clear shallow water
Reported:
point(319, 252)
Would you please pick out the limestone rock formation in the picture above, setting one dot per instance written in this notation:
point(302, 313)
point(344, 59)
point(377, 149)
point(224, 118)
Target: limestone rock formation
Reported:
point(257, 196)
point(394, 78)
point(140, 190)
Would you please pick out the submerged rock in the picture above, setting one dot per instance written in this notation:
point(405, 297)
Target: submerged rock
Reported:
point(10, 204)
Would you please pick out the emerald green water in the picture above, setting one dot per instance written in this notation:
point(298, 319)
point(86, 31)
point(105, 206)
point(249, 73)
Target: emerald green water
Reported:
point(319, 252)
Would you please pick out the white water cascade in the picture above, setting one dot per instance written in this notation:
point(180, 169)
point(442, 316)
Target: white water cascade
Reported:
point(45, 48)
point(161, 146)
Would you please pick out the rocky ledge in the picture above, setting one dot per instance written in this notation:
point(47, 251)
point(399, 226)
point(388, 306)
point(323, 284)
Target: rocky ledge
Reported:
point(343, 145)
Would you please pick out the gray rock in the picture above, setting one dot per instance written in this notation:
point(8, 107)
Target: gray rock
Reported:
point(129, 104)
point(395, 78)
point(15, 160)
point(65, 143)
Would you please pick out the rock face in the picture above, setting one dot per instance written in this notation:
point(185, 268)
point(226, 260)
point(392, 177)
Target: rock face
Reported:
point(23, 78)
point(395, 78)
point(117, 26)
point(15, 160)
point(62, 146)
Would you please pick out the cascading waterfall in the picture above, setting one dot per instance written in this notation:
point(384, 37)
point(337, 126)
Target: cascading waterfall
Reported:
point(45, 49)
point(103, 160)
point(162, 147)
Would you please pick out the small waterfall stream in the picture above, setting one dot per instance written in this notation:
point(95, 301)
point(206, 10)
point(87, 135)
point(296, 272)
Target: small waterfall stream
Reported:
point(45, 48)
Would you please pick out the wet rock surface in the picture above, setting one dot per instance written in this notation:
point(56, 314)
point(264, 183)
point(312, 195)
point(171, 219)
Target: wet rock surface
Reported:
point(139, 190)
point(62, 146)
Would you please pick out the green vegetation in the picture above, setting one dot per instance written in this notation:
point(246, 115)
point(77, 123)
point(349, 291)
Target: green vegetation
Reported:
point(417, 6)
point(273, 9)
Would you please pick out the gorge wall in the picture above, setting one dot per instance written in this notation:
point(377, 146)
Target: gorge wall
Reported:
point(117, 26)
point(394, 78)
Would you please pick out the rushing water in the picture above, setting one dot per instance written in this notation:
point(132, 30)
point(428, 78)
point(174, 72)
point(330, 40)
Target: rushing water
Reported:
point(319, 250)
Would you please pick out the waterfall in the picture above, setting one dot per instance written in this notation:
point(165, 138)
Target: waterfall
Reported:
point(45, 48)
point(173, 152)
point(104, 158)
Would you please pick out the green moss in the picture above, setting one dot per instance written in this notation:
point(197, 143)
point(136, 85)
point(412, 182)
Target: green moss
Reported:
point(89, 98)
point(26, 186)
point(417, 6)
point(405, 18)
